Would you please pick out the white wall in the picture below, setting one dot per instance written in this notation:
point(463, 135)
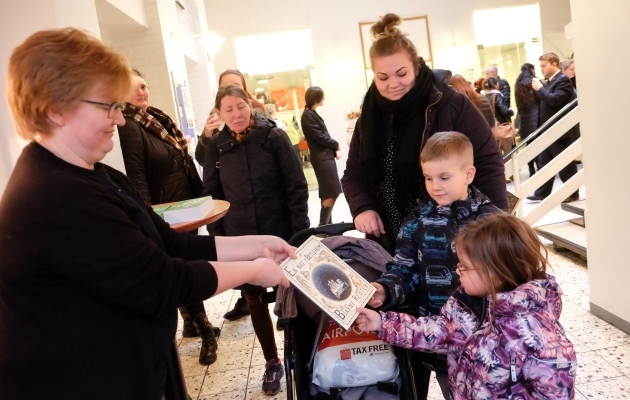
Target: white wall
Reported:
point(606, 144)
point(17, 22)
point(334, 27)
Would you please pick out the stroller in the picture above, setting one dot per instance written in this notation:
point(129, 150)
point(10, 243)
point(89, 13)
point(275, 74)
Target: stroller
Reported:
point(301, 332)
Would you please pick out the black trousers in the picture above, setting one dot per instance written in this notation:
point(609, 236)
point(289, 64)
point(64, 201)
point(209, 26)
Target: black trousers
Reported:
point(549, 154)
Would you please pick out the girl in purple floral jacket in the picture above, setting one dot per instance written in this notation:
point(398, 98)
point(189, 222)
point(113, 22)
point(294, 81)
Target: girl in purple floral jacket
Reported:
point(500, 330)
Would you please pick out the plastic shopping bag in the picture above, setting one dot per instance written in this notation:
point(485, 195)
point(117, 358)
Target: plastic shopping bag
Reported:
point(353, 358)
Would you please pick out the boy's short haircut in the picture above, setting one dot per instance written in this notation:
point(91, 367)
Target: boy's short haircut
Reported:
point(446, 145)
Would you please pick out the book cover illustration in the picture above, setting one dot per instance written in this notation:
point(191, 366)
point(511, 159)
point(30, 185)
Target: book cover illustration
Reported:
point(328, 281)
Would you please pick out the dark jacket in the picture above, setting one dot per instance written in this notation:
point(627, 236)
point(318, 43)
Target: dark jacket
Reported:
point(320, 145)
point(504, 88)
point(261, 178)
point(553, 97)
point(430, 230)
point(447, 111)
point(529, 119)
point(155, 167)
point(486, 110)
point(502, 111)
point(88, 304)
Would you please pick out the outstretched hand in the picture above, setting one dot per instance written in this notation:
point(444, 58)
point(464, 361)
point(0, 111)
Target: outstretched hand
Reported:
point(368, 320)
point(275, 249)
point(268, 273)
point(378, 297)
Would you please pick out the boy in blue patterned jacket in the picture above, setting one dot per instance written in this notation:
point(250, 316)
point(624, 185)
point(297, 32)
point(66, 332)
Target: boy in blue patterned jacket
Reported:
point(422, 276)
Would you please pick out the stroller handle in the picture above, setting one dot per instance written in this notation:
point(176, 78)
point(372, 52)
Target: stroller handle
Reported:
point(328, 230)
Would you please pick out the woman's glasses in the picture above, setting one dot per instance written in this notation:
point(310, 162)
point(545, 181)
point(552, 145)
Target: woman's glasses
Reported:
point(112, 107)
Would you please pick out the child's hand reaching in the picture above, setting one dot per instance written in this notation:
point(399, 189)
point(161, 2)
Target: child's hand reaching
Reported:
point(378, 297)
point(368, 320)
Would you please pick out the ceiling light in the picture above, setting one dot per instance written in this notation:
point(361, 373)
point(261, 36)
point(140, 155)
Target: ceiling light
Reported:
point(260, 90)
point(262, 81)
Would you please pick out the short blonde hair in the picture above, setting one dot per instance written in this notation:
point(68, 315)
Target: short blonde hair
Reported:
point(54, 69)
point(447, 145)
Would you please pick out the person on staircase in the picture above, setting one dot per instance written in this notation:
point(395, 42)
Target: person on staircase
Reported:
point(555, 92)
point(527, 105)
point(324, 150)
point(156, 160)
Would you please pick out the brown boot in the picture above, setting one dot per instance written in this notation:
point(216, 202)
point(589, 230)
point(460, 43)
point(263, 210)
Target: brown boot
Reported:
point(208, 353)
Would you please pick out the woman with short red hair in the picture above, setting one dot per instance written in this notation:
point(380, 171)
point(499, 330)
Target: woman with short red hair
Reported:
point(90, 276)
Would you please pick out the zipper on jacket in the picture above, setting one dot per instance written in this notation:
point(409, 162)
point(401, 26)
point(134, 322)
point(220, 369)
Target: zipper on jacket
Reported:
point(483, 314)
point(426, 119)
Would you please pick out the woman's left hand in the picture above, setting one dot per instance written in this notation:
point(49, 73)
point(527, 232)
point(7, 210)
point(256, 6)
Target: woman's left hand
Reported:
point(275, 249)
point(368, 320)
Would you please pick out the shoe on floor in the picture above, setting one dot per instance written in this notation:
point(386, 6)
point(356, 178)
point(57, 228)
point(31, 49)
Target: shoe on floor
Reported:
point(573, 197)
point(535, 197)
point(189, 329)
point(208, 352)
point(239, 311)
point(271, 378)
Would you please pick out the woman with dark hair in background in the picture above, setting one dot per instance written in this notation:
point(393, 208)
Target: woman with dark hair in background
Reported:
point(324, 150)
point(527, 106)
point(502, 111)
point(157, 162)
point(462, 86)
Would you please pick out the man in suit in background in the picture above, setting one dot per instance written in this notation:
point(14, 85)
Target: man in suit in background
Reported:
point(555, 92)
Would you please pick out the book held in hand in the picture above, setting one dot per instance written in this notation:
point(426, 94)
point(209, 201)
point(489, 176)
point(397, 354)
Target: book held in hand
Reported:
point(189, 210)
point(328, 281)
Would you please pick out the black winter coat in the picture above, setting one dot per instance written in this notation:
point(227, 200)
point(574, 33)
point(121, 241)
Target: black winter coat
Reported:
point(321, 146)
point(504, 88)
point(502, 111)
point(261, 178)
point(529, 119)
point(156, 168)
point(553, 97)
point(448, 111)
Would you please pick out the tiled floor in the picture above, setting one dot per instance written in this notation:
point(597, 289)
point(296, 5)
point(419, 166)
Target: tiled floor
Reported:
point(603, 350)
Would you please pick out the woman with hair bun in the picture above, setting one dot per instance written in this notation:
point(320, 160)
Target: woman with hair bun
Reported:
point(405, 105)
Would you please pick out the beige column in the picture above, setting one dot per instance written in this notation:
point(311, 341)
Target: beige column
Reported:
point(601, 40)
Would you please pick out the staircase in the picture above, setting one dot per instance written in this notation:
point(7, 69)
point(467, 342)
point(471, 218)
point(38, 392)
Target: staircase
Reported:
point(571, 233)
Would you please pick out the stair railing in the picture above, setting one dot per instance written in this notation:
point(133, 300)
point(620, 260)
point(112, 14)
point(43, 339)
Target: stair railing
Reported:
point(536, 142)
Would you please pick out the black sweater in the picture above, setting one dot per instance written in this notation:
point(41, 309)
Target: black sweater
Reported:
point(87, 301)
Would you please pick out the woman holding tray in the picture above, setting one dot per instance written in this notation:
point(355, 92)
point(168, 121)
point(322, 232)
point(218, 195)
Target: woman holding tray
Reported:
point(90, 276)
point(251, 164)
point(157, 162)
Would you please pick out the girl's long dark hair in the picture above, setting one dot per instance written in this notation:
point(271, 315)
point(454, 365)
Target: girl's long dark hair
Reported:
point(523, 91)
